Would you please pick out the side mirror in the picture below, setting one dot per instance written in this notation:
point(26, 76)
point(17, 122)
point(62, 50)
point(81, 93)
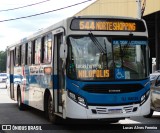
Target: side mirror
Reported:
point(63, 51)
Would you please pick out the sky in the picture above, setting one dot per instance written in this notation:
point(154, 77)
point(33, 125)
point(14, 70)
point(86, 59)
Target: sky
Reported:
point(12, 31)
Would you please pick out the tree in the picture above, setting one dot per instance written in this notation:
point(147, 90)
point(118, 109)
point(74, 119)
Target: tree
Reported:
point(3, 59)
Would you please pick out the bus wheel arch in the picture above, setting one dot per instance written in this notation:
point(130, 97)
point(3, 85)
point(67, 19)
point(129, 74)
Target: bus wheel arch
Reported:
point(49, 107)
point(150, 114)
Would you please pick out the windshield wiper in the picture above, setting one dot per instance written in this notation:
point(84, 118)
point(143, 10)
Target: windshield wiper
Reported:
point(96, 42)
point(105, 46)
point(99, 46)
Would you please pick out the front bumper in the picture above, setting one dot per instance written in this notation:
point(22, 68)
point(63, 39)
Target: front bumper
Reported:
point(76, 111)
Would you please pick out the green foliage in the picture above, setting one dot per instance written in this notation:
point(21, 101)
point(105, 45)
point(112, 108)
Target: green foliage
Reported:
point(3, 59)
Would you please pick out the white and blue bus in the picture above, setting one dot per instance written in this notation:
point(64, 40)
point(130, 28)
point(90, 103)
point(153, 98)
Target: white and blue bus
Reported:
point(87, 67)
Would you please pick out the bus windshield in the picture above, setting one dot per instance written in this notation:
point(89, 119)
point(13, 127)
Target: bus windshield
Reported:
point(107, 58)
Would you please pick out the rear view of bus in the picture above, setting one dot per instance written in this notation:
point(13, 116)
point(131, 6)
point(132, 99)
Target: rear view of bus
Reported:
point(107, 68)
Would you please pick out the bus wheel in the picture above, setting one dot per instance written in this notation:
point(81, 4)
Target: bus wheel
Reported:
point(150, 114)
point(50, 110)
point(21, 106)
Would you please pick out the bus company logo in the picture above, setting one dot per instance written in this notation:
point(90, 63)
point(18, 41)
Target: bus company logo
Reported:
point(6, 127)
point(112, 91)
point(124, 98)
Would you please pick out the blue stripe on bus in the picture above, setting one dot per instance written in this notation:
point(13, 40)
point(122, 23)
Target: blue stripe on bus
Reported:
point(11, 78)
point(101, 98)
point(55, 81)
point(43, 81)
point(26, 102)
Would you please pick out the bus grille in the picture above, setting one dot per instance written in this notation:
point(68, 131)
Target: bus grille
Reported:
point(128, 109)
point(104, 110)
point(112, 88)
point(101, 110)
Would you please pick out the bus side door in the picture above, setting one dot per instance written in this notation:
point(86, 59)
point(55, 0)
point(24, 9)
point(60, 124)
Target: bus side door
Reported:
point(11, 73)
point(59, 76)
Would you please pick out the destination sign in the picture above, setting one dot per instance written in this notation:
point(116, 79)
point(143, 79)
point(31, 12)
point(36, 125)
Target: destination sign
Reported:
point(132, 42)
point(107, 25)
point(93, 73)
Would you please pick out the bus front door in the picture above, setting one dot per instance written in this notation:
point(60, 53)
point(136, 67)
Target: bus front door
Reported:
point(59, 71)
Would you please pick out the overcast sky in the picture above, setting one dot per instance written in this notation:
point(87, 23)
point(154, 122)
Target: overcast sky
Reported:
point(12, 31)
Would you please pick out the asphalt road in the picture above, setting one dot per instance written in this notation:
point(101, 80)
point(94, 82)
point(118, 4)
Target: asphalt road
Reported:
point(10, 115)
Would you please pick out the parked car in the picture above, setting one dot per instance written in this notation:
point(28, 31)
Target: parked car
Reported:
point(17, 78)
point(153, 76)
point(7, 81)
point(3, 77)
point(155, 94)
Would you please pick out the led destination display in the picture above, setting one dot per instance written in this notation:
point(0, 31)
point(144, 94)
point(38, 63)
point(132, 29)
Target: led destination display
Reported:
point(107, 25)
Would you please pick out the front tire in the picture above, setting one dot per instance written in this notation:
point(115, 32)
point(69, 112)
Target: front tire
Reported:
point(50, 110)
point(150, 114)
point(21, 106)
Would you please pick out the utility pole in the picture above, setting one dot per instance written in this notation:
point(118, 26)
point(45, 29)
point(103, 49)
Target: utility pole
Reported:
point(138, 9)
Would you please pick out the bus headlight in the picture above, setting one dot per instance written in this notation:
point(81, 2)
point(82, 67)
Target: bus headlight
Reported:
point(144, 97)
point(78, 99)
point(81, 101)
point(72, 96)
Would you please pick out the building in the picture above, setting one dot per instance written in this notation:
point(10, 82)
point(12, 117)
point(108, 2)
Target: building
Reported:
point(129, 8)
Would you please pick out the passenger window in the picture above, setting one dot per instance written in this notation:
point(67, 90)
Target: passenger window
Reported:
point(37, 50)
point(42, 49)
point(18, 56)
point(47, 49)
point(33, 52)
point(26, 53)
point(14, 57)
point(23, 54)
point(29, 54)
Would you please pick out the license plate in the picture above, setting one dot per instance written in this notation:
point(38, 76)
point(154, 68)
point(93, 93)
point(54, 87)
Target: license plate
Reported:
point(114, 111)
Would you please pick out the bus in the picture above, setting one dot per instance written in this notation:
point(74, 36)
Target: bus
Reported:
point(83, 67)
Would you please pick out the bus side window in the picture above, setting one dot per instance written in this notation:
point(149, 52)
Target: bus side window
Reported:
point(14, 57)
point(23, 54)
point(18, 56)
point(33, 53)
point(42, 50)
point(37, 50)
point(26, 53)
point(47, 48)
point(29, 55)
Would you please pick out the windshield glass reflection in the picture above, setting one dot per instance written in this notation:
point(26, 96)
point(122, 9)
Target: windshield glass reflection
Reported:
point(100, 57)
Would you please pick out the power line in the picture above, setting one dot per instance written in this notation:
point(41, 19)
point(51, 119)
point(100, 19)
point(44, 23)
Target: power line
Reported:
point(23, 6)
point(45, 12)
